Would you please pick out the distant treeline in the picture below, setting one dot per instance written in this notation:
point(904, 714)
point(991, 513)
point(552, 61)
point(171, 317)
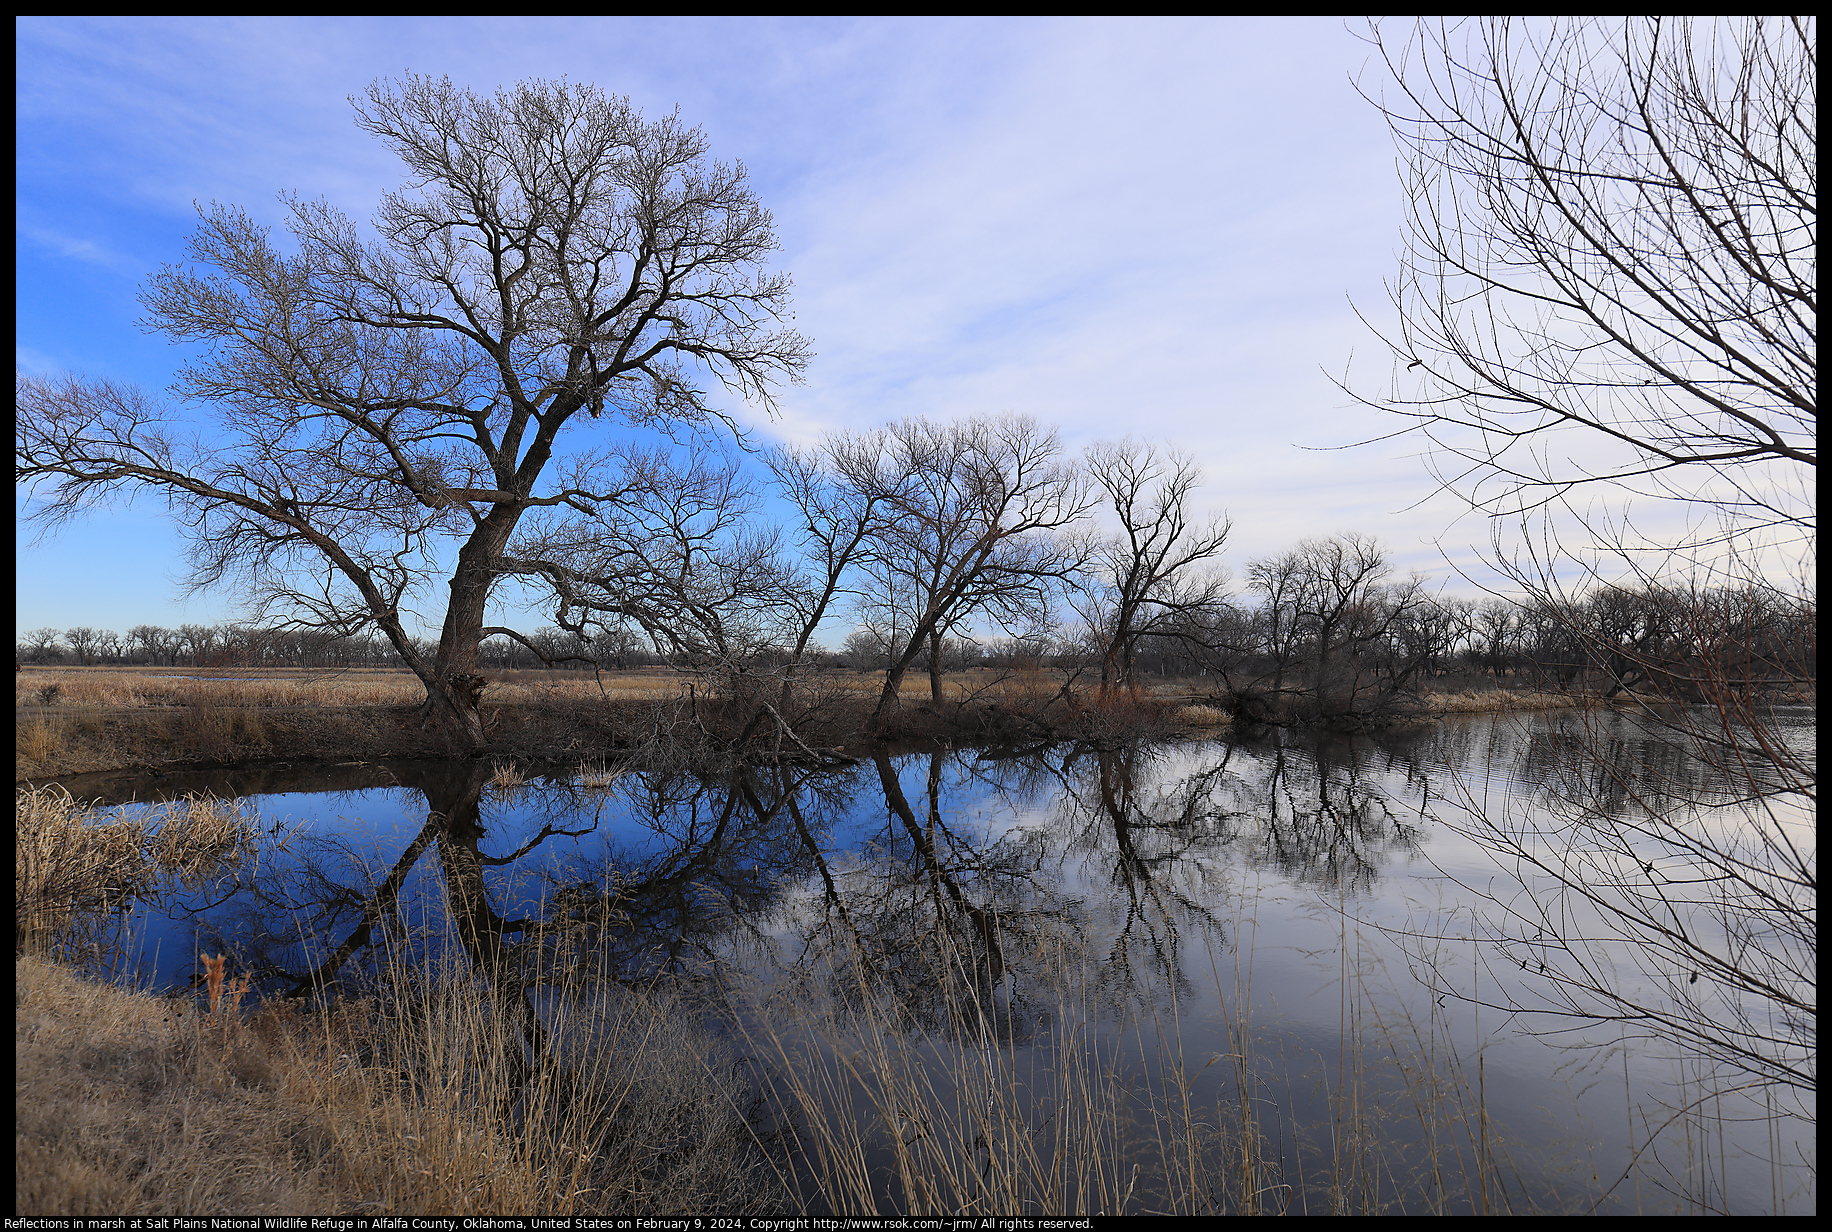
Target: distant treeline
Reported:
point(1321, 630)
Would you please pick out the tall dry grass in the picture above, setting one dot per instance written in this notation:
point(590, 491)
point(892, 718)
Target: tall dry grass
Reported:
point(1491, 701)
point(41, 739)
point(387, 1104)
point(127, 689)
point(132, 689)
point(175, 688)
point(418, 1097)
point(415, 1097)
point(950, 1125)
point(1070, 1109)
point(76, 868)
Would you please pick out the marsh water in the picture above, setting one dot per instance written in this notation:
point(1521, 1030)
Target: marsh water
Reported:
point(1331, 929)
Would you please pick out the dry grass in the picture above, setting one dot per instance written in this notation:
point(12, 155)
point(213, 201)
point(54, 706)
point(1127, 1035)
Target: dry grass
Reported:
point(75, 867)
point(1114, 1116)
point(134, 1104)
point(128, 688)
point(40, 740)
point(596, 776)
point(409, 1101)
point(111, 718)
point(931, 1125)
point(1490, 701)
point(1203, 716)
point(173, 688)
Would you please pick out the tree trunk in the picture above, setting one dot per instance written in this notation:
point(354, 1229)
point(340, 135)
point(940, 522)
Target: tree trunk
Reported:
point(893, 679)
point(452, 708)
point(455, 691)
point(935, 667)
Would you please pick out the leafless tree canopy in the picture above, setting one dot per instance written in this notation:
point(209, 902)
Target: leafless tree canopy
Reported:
point(389, 410)
point(1341, 642)
point(1612, 231)
point(1609, 280)
point(968, 515)
point(1157, 576)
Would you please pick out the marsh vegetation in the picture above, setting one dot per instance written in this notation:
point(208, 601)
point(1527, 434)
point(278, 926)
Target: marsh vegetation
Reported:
point(1175, 978)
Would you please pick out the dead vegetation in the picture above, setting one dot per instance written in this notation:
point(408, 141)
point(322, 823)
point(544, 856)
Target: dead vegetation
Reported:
point(110, 718)
point(129, 1103)
point(76, 867)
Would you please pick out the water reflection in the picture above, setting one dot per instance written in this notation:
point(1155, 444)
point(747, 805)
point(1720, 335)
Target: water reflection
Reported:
point(969, 896)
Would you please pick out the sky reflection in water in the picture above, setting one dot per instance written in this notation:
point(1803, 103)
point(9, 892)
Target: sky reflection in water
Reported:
point(1312, 882)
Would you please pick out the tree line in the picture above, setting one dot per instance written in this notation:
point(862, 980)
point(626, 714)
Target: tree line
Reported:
point(938, 580)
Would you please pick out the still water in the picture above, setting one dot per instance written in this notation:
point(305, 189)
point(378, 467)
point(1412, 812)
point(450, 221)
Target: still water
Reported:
point(1564, 936)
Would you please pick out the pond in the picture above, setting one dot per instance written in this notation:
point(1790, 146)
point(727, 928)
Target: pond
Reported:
point(1552, 962)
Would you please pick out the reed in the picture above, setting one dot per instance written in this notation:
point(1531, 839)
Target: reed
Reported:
point(1489, 701)
point(406, 1100)
point(76, 868)
point(417, 1094)
point(40, 740)
point(596, 775)
point(1082, 1107)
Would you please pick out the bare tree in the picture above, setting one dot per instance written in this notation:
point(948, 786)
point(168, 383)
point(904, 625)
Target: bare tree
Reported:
point(109, 645)
point(85, 642)
point(1148, 579)
point(197, 641)
point(1336, 629)
point(148, 640)
point(674, 556)
point(1609, 272)
point(1496, 628)
point(969, 508)
point(44, 645)
point(387, 413)
point(867, 649)
point(838, 523)
point(1609, 289)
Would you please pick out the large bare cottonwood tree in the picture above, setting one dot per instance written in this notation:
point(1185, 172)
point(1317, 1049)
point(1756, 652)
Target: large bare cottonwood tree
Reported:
point(388, 406)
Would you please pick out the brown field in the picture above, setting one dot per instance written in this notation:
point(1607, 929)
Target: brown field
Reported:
point(173, 1105)
point(267, 688)
point(1488, 701)
point(71, 720)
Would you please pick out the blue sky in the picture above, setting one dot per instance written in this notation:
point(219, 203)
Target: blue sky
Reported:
point(1155, 227)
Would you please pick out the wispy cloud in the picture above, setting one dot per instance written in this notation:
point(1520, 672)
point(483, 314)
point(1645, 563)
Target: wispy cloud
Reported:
point(1147, 227)
point(76, 248)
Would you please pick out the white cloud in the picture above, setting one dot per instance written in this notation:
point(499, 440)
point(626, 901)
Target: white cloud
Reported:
point(1146, 227)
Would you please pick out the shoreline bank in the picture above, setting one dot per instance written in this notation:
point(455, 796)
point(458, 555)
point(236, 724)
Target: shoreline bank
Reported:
point(199, 731)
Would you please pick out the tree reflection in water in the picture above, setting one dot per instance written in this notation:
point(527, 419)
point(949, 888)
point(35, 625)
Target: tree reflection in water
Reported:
point(961, 900)
point(962, 928)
